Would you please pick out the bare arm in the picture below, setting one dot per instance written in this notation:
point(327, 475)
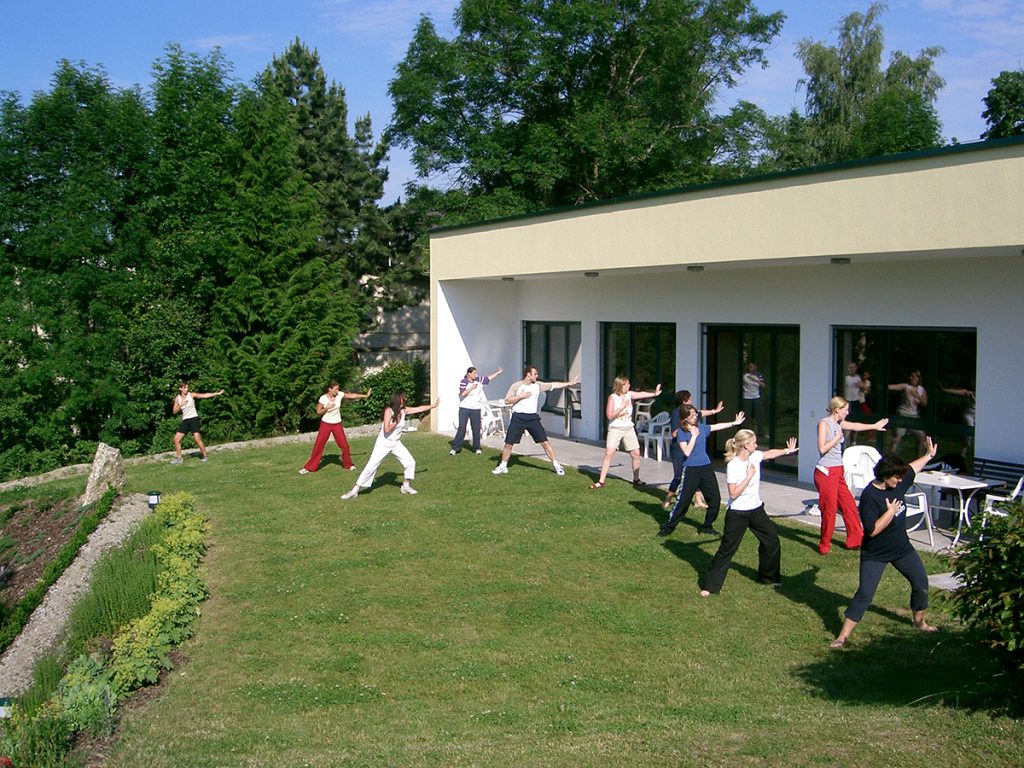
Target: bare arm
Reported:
point(774, 453)
point(358, 395)
point(176, 405)
point(496, 374)
point(422, 408)
point(856, 426)
point(740, 416)
point(645, 395)
point(712, 411)
point(204, 395)
point(892, 507)
point(929, 454)
point(826, 443)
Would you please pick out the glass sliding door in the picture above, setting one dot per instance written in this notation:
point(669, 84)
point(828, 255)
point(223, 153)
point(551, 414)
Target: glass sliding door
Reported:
point(772, 355)
point(643, 352)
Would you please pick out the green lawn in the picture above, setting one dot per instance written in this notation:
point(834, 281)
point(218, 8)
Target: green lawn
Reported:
point(526, 621)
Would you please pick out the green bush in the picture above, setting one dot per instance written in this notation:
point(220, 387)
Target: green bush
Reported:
point(86, 698)
point(120, 590)
point(142, 650)
point(61, 704)
point(991, 567)
point(390, 379)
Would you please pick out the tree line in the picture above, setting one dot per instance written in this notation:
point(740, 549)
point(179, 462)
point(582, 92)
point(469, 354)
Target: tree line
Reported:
point(233, 234)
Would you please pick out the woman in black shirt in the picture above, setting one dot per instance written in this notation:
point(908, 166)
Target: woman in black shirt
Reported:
point(882, 512)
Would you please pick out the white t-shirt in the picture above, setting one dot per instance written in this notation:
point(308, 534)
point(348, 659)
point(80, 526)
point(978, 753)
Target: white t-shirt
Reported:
point(188, 406)
point(853, 389)
point(751, 386)
point(736, 473)
point(529, 405)
point(618, 402)
point(333, 413)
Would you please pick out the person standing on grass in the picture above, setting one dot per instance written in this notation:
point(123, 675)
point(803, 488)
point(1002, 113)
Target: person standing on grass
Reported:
point(328, 408)
point(621, 430)
point(746, 510)
point(471, 402)
point(698, 473)
point(185, 404)
point(389, 441)
point(683, 397)
point(829, 479)
point(883, 514)
point(524, 397)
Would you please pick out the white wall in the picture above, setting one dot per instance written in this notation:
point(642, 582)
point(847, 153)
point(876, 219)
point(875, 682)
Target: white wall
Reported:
point(479, 322)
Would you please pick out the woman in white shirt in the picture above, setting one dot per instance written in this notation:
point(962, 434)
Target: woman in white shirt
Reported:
point(621, 430)
point(746, 510)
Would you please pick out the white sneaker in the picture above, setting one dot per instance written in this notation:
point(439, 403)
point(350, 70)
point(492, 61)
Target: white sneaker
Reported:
point(558, 469)
point(303, 471)
point(451, 452)
point(351, 494)
point(499, 470)
point(175, 461)
point(409, 489)
point(477, 452)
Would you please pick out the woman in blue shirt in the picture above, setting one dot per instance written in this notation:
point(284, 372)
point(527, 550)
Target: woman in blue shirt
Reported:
point(882, 511)
point(698, 473)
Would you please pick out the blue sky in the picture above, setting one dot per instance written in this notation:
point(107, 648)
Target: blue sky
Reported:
point(361, 41)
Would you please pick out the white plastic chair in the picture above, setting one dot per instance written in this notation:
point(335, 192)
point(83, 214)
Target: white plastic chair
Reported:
point(657, 431)
point(991, 501)
point(859, 467)
point(642, 413)
point(490, 420)
point(917, 504)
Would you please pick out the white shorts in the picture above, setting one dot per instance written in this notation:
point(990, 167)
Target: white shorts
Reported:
point(625, 435)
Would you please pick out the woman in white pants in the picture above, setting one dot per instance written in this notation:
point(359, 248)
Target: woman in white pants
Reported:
point(389, 441)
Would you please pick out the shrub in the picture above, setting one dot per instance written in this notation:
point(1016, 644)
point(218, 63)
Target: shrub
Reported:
point(991, 566)
point(120, 590)
point(384, 382)
point(142, 650)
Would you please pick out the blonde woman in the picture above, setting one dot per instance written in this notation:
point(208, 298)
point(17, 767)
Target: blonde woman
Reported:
point(746, 510)
point(833, 491)
point(621, 430)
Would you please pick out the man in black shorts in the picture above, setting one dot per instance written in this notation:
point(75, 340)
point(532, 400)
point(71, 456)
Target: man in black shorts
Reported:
point(524, 397)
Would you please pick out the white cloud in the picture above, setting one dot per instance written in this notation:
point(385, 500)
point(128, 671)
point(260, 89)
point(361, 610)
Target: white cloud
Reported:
point(386, 20)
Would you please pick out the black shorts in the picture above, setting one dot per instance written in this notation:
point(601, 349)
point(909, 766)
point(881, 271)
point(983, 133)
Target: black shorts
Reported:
point(525, 422)
point(189, 426)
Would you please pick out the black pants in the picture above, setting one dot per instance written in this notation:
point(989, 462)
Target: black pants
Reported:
point(769, 551)
point(696, 479)
point(472, 416)
point(909, 565)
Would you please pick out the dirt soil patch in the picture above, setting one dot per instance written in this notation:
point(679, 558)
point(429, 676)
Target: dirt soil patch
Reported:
point(32, 532)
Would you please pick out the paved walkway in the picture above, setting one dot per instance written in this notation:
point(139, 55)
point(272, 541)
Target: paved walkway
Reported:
point(783, 495)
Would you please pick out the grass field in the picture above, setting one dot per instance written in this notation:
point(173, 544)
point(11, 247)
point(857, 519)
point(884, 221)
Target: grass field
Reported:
point(525, 621)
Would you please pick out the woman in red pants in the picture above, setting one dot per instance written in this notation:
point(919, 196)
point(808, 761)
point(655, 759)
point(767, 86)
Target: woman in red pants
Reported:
point(328, 409)
point(833, 491)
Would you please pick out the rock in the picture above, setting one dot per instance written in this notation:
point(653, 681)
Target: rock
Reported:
point(107, 471)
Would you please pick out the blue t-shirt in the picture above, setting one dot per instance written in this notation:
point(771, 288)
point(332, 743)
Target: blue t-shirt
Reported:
point(892, 543)
point(699, 455)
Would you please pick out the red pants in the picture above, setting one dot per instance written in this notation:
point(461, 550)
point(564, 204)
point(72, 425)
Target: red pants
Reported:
point(832, 492)
point(325, 431)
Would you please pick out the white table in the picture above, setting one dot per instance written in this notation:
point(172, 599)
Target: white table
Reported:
point(965, 486)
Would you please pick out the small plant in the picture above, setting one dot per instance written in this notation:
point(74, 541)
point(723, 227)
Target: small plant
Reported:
point(991, 567)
